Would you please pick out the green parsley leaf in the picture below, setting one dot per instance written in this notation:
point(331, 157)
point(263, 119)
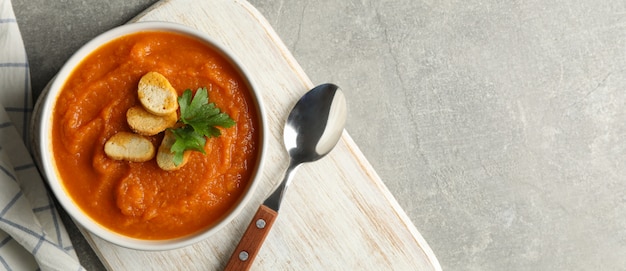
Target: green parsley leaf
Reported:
point(202, 115)
point(186, 139)
point(200, 119)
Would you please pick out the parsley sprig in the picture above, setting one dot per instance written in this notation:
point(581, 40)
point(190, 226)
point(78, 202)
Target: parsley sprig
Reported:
point(199, 120)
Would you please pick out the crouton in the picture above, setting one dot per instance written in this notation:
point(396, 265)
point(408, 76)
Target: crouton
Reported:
point(129, 147)
point(165, 156)
point(157, 95)
point(148, 124)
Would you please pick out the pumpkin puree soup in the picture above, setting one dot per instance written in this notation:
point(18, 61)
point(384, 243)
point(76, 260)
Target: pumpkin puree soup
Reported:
point(138, 199)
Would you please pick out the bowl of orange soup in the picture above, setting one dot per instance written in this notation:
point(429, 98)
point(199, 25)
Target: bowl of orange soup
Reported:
point(137, 204)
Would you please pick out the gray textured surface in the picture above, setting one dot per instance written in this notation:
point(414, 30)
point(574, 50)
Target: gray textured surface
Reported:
point(498, 126)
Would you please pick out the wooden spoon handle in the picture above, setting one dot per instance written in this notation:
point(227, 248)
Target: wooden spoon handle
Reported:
point(252, 239)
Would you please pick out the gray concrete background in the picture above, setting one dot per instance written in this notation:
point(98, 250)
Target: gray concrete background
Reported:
point(499, 126)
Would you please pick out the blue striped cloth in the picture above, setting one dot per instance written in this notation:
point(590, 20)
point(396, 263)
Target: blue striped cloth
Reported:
point(32, 236)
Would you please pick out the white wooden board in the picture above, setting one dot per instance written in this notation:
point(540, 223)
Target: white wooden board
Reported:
point(336, 215)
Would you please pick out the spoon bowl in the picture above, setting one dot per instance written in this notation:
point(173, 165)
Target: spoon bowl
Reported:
point(312, 130)
point(315, 124)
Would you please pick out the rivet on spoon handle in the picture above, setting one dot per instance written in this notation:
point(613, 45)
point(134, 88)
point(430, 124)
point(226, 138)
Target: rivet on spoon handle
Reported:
point(252, 240)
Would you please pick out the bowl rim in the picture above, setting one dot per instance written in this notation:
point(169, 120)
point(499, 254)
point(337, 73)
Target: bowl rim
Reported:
point(47, 162)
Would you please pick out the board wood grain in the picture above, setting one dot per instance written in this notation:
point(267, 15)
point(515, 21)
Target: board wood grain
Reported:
point(336, 215)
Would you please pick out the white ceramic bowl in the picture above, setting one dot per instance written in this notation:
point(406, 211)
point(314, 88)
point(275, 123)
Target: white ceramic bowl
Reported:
point(42, 121)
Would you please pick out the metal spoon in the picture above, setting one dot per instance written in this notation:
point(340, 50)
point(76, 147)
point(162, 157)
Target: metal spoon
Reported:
point(313, 128)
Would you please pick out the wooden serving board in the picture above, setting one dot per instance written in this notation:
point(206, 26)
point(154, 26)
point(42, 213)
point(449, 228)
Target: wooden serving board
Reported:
point(336, 215)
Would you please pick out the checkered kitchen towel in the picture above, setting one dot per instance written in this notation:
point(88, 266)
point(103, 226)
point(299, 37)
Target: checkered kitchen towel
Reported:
point(32, 236)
